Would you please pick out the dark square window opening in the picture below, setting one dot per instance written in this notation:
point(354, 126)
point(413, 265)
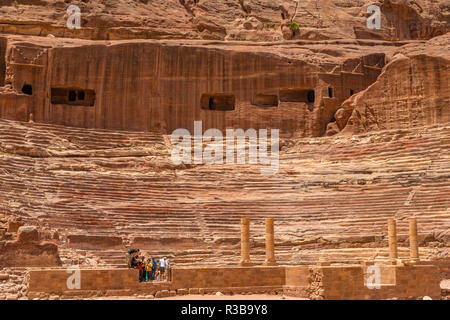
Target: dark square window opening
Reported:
point(27, 89)
point(72, 95)
point(218, 101)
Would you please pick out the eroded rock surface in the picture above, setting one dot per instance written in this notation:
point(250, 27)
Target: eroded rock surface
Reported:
point(228, 19)
point(85, 118)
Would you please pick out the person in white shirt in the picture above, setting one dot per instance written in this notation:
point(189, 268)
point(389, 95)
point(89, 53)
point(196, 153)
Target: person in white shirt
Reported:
point(162, 266)
point(166, 268)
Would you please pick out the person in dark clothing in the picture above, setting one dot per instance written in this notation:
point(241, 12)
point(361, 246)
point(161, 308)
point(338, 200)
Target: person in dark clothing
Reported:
point(131, 257)
point(154, 268)
point(140, 267)
point(134, 261)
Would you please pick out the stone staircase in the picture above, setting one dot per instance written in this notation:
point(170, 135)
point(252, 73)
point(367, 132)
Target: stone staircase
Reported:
point(330, 199)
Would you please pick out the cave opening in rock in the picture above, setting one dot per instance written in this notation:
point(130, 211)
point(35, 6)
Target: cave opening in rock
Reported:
point(2, 61)
point(265, 100)
point(330, 92)
point(297, 95)
point(27, 89)
point(73, 96)
point(218, 101)
point(311, 96)
point(81, 95)
point(351, 92)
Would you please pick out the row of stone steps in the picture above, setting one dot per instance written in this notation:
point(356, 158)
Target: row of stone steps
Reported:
point(334, 188)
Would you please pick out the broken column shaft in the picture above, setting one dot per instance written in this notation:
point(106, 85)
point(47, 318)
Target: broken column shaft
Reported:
point(392, 232)
point(245, 242)
point(270, 243)
point(413, 246)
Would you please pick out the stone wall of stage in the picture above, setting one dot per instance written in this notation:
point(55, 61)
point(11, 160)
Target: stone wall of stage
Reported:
point(312, 282)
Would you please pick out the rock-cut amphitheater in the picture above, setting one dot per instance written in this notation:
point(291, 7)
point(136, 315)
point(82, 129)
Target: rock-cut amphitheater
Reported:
point(363, 114)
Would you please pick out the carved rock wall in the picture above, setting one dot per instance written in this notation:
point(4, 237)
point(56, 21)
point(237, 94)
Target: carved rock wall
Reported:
point(155, 77)
point(253, 20)
point(411, 92)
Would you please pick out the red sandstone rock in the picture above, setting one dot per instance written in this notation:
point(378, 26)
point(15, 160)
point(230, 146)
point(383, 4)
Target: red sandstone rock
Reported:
point(14, 225)
point(182, 292)
point(374, 143)
point(193, 291)
point(28, 234)
point(177, 19)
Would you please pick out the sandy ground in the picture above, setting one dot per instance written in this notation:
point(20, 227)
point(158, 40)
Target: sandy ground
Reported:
point(445, 284)
point(209, 297)
point(233, 297)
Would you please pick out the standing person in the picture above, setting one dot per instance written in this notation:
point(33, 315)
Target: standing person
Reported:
point(144, 269)
point(158, 271)
point(134, 261)
point(162, 266)
point(166, 267)
point(148, 269)
point(140, 267)
point(130, 255)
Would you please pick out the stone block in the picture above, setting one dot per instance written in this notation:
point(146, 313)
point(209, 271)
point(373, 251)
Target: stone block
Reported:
point(12, 297)
point(28, 234)
point(14, 225)
point(193, 290)
point(182, 292)
point(162, 294)
point(4, 276)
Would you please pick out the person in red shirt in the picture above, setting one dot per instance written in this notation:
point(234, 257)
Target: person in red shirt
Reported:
point(140, 267)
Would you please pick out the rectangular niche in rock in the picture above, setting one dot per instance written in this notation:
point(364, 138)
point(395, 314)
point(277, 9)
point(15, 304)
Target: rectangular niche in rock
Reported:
point(265, 100)
point(218, 101)
point(73, 96)
point(297, 95)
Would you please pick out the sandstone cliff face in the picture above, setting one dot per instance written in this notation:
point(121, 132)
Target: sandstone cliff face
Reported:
point(25, 247)
point(364, 117)
point(294, 87)
point(412, 91)
point(302, 91)
point(254, 20)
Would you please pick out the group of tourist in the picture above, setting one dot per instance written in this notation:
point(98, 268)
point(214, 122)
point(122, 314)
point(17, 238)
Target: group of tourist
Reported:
point(150, 269)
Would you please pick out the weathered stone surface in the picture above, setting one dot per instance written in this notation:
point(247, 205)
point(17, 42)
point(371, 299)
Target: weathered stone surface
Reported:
point(300, 105)
point(23, 254)
point(162, 294)
point(14, 225)
point(182, 292)
point(409, 92)
point(363, 115)
point(93, 242)
point(193, 290)
point(363, 169)
point(224, 19)
point(4, 276)
point(28, 234)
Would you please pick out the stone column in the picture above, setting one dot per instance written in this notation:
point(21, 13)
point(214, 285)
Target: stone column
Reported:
point(245, 242)
point(270, 243)
point(392, 231)
point(413, 246)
